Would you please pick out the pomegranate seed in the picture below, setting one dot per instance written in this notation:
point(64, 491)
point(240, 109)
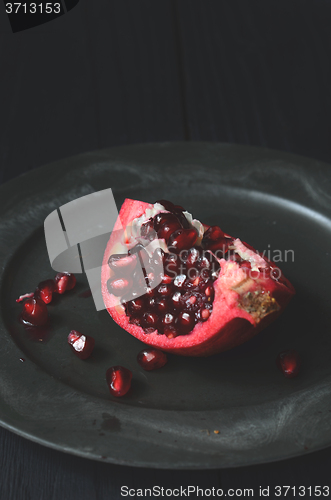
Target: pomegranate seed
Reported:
point(214, 233)
point(209, 291)
point(185, 321)
point(164, 290)
point(166, 279)
point(122, 263)
point(64, 282)
point(192, 273)
point(150, 320)
point(34, 312)
point(137, 305)
point(176, 300)
point(193, 258)
point(135, 320)
point(170, 332)
point(289, 363)
point(168, 319)
point(119, 286)
point(81, 345)
point(118, 380)
point(161, 305)
point(172, 264)
point(205, 314)
point(151, 359)
point(45, 290)
point(165, 218)
point(179, 280)
point(182, 238)
point(167, 229)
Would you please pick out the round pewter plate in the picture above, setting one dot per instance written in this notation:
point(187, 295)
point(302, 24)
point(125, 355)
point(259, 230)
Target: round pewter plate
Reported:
point(274, 201)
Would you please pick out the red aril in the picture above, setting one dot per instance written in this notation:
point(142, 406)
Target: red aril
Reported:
point(289, 363)
point(64, 282)
point(118, 380)
point(218, 291)
point(45, 290)
point(151, 359)
point(34, 312)
point(81, 345)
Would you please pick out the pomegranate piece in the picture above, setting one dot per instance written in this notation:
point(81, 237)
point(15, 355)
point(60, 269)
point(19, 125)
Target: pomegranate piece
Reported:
point(45, 290)
point(118, 380)
point(214, 293)
point(289, 363)
point(151, 359)
point(34, 312)
point(64, 282)
point(81, 345)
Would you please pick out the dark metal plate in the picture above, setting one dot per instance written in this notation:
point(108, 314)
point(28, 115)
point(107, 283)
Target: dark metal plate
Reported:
point(273, 200)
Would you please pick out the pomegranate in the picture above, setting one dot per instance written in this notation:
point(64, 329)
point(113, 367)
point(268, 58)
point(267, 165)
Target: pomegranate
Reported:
point(81, 345)
point(192, 289)
point(151, 359)
point(118, 380)
point(289, 363)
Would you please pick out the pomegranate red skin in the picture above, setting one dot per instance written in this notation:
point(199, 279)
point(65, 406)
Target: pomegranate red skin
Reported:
point(81, 345)
point(289, 363)
point(118, 380)
point(228, 326)
point(151, 359)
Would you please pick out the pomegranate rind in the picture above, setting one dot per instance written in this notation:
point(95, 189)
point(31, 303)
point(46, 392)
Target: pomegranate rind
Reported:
point(229, 324)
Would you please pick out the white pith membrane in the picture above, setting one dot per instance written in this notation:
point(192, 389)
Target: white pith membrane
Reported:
point(249, 291)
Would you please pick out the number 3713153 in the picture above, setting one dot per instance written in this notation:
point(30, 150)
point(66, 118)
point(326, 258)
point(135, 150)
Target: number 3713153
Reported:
point(33, 8)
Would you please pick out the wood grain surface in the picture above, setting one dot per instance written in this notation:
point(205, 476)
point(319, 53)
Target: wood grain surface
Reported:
point(116, 72)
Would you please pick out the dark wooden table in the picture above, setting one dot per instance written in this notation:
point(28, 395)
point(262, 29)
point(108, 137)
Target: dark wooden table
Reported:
point(119, 72)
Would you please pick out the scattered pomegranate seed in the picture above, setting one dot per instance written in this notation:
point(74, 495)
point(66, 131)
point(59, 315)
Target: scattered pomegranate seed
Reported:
point(289, 363)
point(81, 345)
point(45, 290)
point(64, 282)
point(151, 359)
point(34, 312)
point(118, 380)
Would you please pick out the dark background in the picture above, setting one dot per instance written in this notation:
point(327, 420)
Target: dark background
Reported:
point(120, 72)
